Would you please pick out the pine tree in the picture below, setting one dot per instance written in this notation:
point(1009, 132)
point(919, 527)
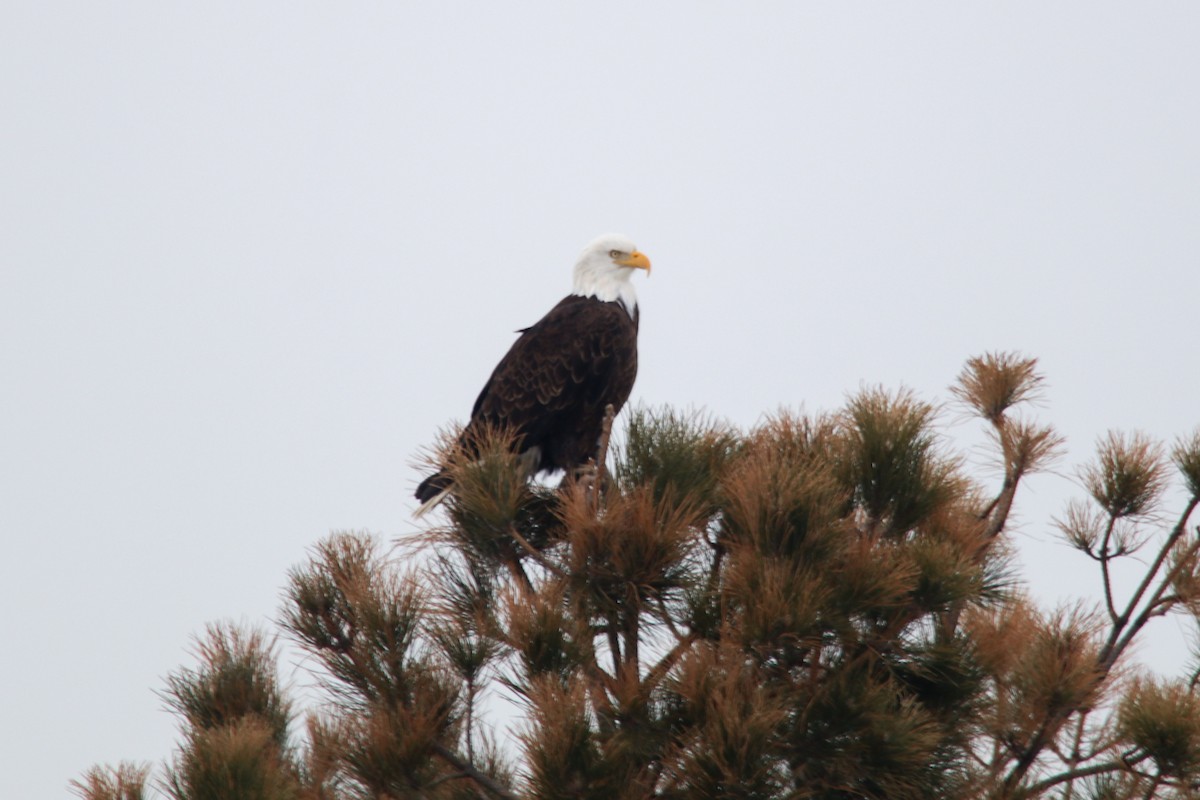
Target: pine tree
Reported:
point(820, 607)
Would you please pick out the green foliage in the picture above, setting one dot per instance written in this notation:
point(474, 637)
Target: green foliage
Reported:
point(1186, 455)
point(393, 703)
point(672, 451)
point(891, 461)
point(235, 722)
point(821, 607)
point(784, 496)
point(1162, 718)
point(638, 553)
point(235, 681)
point(733, 721)
point(864, 732)
point(239, 760)
point(359, 618)
point(491, 496)
point(565, 760)
point(945, 678)
point(545, 636)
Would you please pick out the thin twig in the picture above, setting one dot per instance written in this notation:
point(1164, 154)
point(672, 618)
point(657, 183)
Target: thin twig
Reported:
point(470, 722)
point(666, 616)
point(1076, 758)
point(1002, 506)
point(1123, 764)
point(518, 572)
point(614, 644)
point(605, 433)
point(481, 778)
point(1119, 639)
point(987, 510)
point(633, 634)
point(1149, 795)
point(1104, 558)
point(664, 665)
point(996, 515)
point(1116, 643)
point(602, 454)
point(450, 776)
point(1152, 608)
point(534, 553)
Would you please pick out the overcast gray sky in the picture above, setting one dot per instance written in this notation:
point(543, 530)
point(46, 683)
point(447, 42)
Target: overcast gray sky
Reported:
point(252, 256)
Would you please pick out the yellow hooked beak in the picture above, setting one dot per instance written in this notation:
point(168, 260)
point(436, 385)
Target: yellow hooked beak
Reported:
point(637, 260)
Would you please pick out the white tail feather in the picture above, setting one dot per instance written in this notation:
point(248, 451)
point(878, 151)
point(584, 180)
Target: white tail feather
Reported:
point(431, 503)
point(527, 463)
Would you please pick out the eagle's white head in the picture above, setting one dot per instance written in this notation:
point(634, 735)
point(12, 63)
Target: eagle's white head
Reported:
point(604, 269)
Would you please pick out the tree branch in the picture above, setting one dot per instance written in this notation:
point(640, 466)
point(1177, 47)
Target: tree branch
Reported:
point(602, 449)
point(614, 644)
point(535, 554)
point(1122, 764)
point(1117, 643)
point(664, 665)
point(1002, 505)
point(481, 778)
point(1104, 558)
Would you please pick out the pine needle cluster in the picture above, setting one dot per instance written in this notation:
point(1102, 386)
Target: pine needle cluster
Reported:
point(822, 606)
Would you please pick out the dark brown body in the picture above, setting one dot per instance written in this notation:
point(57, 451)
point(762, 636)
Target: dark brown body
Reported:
point(553, 385)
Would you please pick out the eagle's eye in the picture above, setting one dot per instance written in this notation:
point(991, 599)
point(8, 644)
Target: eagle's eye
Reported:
point(615, 254)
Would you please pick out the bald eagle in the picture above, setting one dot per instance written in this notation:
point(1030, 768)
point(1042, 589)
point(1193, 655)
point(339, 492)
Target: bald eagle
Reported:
point(553, 385)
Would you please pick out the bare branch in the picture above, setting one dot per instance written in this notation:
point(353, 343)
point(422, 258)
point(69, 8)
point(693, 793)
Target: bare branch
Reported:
point(1104, 556)
point(664, 665)
point(602, 449)
point(1123, 764)
point(535, 554)
point(1117, 643)
point(481, 778)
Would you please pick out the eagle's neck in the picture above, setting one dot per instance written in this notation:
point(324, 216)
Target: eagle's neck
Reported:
point(611, 286)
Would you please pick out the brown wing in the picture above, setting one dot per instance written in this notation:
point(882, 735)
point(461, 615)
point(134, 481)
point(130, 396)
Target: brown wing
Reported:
point(553, 384)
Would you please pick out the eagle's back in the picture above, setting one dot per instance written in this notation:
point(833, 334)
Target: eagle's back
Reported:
point(554, 383)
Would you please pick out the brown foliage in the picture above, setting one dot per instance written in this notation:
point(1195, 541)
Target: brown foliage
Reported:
point(820, 607)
